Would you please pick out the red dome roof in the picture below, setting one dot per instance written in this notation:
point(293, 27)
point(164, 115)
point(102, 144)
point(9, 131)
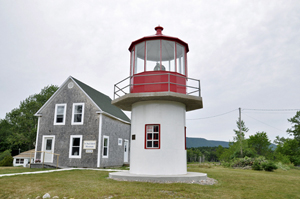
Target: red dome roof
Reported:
point(159, 35)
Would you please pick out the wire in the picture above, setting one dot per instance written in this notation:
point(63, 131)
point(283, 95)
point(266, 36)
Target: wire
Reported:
point(212, 116)
point(264, 123)
point(270, 109)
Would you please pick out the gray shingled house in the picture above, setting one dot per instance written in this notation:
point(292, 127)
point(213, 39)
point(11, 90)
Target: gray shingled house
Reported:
point(81, 125)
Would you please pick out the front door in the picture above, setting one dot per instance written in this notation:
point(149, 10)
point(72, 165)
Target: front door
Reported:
point(48, 148)
point(126, 151)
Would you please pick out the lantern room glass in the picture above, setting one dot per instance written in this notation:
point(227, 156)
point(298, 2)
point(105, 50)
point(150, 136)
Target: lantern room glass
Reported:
point(158, 55)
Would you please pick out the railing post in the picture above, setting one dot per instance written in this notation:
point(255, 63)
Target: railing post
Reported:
point(169, 82)
point(43, 158)
point(114, 91)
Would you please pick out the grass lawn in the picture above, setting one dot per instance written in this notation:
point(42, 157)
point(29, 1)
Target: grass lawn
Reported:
point(232, 183)
point(8, 170)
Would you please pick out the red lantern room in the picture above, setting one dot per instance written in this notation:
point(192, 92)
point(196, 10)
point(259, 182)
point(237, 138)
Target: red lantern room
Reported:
point(158, 64)
point(158, 71)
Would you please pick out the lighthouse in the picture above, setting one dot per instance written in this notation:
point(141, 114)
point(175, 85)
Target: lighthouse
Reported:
point(158, 92)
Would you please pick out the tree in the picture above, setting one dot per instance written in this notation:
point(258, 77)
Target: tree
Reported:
point(20, 125)
point(260, 143)
point(295, 130)
point(240, 136)
point(4, 133)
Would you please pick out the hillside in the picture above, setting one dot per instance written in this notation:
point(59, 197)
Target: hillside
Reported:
point(201, 142)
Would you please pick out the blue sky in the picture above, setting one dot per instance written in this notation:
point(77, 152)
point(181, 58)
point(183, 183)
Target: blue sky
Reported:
point(245, 53)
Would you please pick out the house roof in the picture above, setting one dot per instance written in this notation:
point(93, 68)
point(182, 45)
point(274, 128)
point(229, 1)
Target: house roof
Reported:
point(26, 154)
point(103, 101)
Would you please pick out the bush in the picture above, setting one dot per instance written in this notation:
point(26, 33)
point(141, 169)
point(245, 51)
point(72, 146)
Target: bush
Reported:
point(282, 166)
point(4, 154)
point(269, 166)
point(7, 161)
point(256, 166)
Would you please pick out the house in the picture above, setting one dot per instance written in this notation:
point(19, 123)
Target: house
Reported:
point(23, 159)
point(79, 127)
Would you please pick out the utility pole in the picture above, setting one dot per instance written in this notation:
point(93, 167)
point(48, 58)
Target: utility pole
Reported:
point(240, 128)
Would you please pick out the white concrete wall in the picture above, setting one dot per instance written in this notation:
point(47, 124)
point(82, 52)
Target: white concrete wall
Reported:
point(170, 159)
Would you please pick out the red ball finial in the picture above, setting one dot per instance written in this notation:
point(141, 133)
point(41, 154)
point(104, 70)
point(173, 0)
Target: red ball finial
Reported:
point(159, 29)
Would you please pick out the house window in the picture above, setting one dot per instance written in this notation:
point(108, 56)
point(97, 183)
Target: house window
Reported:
point(75, 146)
point(77, 113)
point(105, 146)
point(19, 161)
point(60, 113)
point(152, 136)
point(120, 141)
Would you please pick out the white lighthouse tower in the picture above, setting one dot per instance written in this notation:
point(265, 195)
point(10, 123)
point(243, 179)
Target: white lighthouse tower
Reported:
point(158, 93)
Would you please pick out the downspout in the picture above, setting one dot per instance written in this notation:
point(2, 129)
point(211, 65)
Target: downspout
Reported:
point(99, 139)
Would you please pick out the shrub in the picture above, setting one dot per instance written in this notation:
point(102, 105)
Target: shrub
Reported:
point(256, 166)
point(7, 161)
point(282, 166)
point(269, 166)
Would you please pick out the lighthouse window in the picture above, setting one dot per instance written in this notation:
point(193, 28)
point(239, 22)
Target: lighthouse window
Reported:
point(180, 59)
point(168, 55)
point(139, 57)
point(152, 136)
point(153, 55)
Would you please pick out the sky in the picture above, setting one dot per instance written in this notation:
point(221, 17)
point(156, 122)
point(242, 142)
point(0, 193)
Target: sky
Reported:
point(245, 53)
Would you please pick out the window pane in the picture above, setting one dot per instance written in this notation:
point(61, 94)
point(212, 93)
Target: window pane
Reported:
point(17, 161)
point(149, 128)
point(60, 110)
point(155, 128)
point(155, 144)
point(149, 136)
point(77, 117)
point(168, 55)
point(21, 161)
point(155, 137)
point(149, 143)
point(180, 59)
point(78, 109)
point(105, 151)
point(75, 150)
point(59, 118)
point(153, 55)
point(105, 142)
point(76, 141)
point(139, 57)
point(132, 61)
point(48, 144)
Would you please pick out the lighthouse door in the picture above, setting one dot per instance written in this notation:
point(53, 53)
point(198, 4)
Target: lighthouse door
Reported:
point(126, 151)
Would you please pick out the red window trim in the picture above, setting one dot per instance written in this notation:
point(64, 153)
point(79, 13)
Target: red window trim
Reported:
point(146, 135)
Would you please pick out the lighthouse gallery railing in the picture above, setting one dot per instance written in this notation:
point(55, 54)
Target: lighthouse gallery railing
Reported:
point(192, 86)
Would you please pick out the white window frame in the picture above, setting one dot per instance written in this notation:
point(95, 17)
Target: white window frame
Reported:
point(64, 117)
point(120, 141)
point(71, 146)
point(73, 112)
point(105, 156)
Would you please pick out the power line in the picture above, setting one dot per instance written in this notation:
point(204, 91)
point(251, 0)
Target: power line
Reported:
point(264, 123)
point(212, 116)
point(270, 109)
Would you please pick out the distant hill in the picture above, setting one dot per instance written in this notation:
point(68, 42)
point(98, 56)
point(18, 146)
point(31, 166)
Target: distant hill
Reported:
point(201, 142)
